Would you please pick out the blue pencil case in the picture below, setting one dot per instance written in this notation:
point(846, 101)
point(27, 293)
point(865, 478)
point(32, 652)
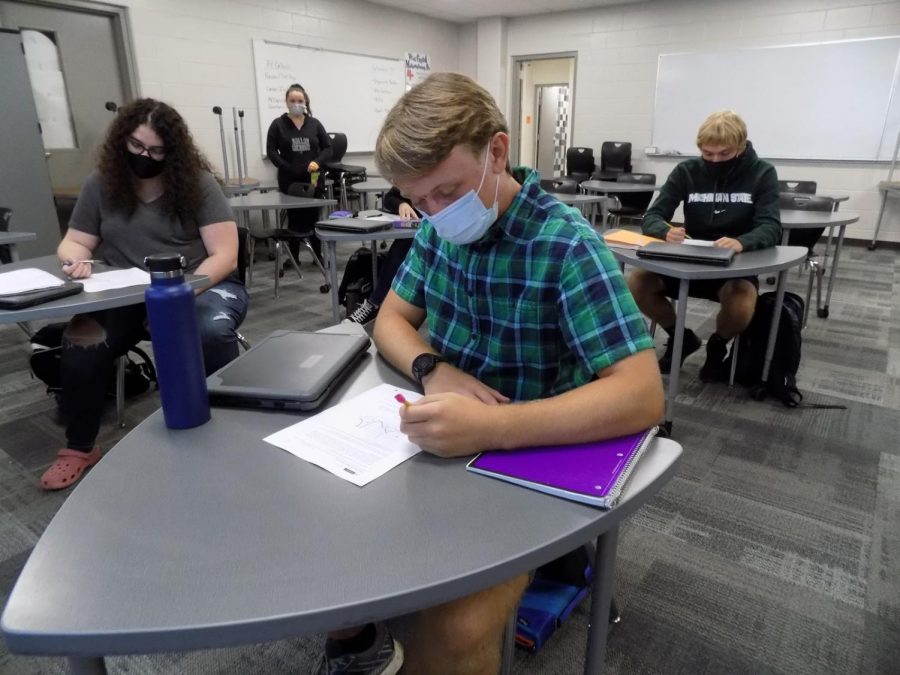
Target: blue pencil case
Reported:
point(544, 606)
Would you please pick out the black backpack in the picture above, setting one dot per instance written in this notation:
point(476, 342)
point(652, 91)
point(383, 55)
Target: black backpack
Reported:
point(46, 345)
point(781, 383)
point(357, 283)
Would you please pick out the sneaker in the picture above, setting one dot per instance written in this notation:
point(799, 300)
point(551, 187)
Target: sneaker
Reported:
point(715, 367)
point(384, 657)
point(363, 314)
point(689, 345)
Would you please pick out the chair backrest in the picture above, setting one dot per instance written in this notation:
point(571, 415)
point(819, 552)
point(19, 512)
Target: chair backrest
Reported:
point(580, 161)
point(338, 146)
point(636, 200)
point(615, 156)
point(806, 187)
point(5, 217)
point(562, 185)
point(799, 202)
point(243, 253)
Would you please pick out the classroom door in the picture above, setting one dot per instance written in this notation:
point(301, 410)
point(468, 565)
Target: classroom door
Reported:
point(551, 124)
point(75, 63)
point(541, 116)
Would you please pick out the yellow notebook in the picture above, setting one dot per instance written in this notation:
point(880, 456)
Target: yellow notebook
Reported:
point(627, 239)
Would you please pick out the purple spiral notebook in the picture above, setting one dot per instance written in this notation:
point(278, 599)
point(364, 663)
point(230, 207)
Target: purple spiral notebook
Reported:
point(591, 473)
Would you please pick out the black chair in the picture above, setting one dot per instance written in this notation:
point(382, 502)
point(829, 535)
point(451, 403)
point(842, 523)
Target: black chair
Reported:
point(5, 217)
point(343, 174)
point(579, 163)
point(282, 237)
point(804, 187)
point(632, 204)
point(808, 238)
point(615, 159)
point(561, 185)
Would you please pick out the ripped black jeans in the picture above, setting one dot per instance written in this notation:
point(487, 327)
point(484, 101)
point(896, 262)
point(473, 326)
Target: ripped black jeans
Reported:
point(92, 343)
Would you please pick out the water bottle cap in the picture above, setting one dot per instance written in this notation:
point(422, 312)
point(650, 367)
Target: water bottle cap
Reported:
point(165, 262)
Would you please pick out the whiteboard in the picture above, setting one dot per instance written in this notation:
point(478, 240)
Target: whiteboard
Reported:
point(832, 100)
point(348, 93)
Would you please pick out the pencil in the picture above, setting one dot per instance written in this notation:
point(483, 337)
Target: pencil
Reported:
point(672, 227)
point(402, 399)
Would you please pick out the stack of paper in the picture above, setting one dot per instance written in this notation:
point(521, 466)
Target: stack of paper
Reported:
point(27, 280)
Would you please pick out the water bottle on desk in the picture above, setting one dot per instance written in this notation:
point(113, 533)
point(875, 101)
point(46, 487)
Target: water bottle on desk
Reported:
point(176, 342)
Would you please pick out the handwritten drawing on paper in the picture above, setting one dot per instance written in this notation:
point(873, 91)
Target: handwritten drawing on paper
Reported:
point(357, 440)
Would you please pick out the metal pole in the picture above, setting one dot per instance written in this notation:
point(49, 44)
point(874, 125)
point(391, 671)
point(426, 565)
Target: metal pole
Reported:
point(218, 111)
point(243, 143)
point(237, 148)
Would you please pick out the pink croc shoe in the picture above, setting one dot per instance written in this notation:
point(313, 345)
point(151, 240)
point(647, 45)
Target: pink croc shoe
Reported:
point(68, 468)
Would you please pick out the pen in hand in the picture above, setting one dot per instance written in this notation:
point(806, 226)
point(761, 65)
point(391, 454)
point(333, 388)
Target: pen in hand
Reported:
point(402, 399)
point(69, 263)
point(672, 227)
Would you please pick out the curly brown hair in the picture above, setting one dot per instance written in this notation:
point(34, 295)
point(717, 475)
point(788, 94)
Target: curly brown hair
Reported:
point(182, 195)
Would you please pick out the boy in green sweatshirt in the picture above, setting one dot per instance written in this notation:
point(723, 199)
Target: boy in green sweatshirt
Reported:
point(730, 197)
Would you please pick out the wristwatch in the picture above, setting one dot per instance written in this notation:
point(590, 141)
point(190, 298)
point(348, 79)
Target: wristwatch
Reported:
point(424, 364)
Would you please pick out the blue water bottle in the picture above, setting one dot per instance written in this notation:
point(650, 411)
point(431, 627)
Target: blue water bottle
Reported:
point(176, 342)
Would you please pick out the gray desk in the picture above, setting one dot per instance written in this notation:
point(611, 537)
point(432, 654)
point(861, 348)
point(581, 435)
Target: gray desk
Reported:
point(374, 185)
point(605, 187)
point(807, 220)
point(331, 237)
point(271, 201)
point(887, 189)
point(767, 261)
point(80, 303)
point(580, 200)
point(226, 540)
point(12, 238)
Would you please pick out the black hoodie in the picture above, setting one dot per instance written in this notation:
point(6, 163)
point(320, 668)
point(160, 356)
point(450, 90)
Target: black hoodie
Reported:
point(291, 149)
point(743, 204)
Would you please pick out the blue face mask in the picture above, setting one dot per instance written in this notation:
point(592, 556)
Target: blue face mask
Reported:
point(467, 219)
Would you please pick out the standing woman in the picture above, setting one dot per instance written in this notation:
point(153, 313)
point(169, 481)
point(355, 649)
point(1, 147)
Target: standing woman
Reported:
point(152, 192)
point(298, 146)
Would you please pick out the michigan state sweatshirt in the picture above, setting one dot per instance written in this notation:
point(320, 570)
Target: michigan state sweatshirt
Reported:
point(742, 204)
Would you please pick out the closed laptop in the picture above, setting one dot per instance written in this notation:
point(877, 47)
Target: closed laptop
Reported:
point(701, 255)
point(288, 370)
point(361, 225)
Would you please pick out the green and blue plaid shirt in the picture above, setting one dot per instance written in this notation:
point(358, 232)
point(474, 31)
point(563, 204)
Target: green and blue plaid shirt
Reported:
point(534, 308)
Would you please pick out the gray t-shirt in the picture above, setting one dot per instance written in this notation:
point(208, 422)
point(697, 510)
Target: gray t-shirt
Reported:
point(126, 240)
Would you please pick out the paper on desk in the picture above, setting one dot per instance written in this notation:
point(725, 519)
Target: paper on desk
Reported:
point(357, 440)
point(26, 280)
point(382, 218)
point(698, 242)
point(109, 281)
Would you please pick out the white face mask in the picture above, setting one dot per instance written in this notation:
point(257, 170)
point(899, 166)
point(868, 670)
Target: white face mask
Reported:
point(297, 109)
point(467, 219)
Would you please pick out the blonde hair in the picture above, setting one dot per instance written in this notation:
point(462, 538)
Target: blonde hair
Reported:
point(423, 127)
point(725, 128)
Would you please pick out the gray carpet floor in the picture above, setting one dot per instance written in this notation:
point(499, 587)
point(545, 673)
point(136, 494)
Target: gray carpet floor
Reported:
point(775, 549)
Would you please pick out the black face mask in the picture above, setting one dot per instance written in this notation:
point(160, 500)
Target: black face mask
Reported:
point(719, 170)
point(145, 167)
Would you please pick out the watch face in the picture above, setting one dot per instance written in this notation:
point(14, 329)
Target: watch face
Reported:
point(424, 364)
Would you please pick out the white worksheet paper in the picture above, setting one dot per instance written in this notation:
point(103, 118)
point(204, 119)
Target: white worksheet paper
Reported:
point(358, 439)
point(698, 242)
point(108, 281)
point(26, 280)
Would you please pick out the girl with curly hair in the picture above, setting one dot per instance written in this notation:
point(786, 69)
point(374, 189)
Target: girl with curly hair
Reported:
point(152, 192)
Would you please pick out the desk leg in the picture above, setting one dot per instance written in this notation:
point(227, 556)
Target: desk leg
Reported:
point(604, 212)
point(601, 597)
point(773, 327)
point(678, 336)
point(374, 245)
point(509, 643)
point(331, 249)
point(878, 221)
point(87, 666)
point(823, 311)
